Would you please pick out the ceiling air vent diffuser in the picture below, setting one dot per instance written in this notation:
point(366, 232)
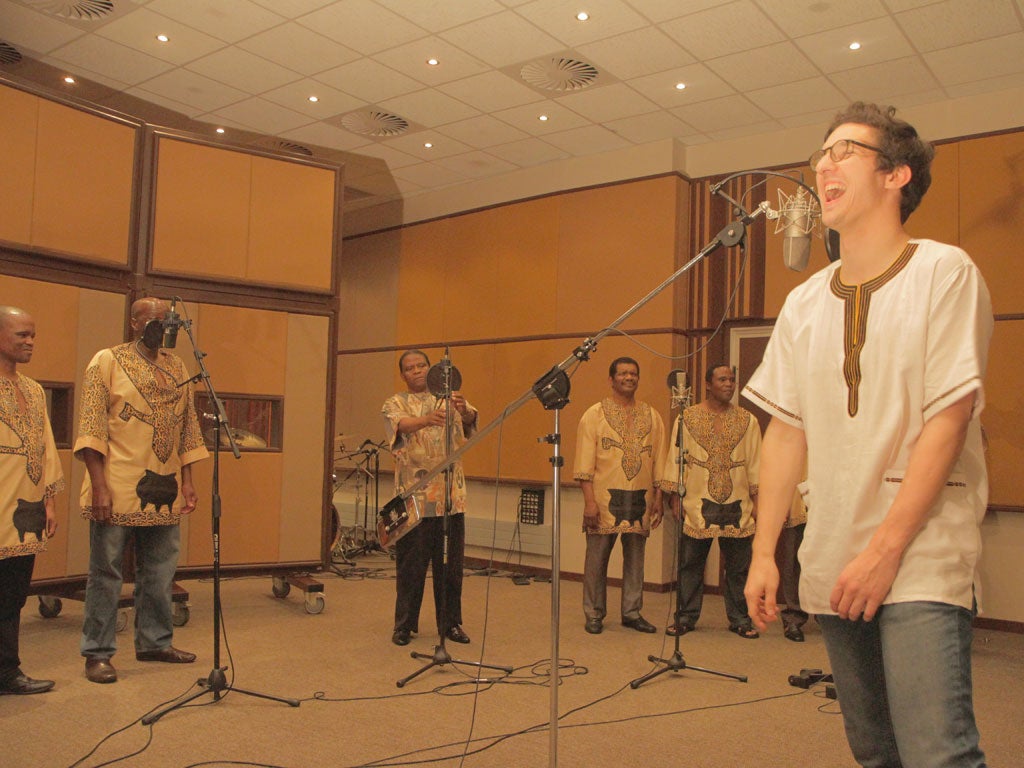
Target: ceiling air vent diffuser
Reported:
point(559, 74)
point(81, 10)
point(372, 122)
point(8, 53)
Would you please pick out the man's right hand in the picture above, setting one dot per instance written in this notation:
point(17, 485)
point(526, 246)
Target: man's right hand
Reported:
point(101, 508)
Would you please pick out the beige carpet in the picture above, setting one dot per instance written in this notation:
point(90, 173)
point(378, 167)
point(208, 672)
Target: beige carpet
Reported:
point(343, 667)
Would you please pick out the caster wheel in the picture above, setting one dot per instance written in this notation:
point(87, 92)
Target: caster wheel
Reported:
point(179, 614)
point(280, 587)
point(314, 604)
point(122, 621)
point(49, 607)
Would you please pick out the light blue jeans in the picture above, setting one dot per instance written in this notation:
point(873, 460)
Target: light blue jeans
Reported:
point(904, 684)
point(156, 559)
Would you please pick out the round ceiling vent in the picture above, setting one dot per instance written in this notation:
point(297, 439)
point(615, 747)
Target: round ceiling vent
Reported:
point(291, 146)
point(559, 74)
point(83, 10)
point(372, 122)
point(8, 53)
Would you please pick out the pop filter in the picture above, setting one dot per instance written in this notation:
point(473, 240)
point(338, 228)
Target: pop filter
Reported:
point(436, 378)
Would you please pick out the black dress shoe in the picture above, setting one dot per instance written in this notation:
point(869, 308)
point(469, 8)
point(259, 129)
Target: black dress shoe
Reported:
point(99, 670)
point(456, 635)
point(640, 624)
point(400, 637)
point(23, 685)
point(794, 633)
point(678, 629)
point(168, 655)
point(593, 626)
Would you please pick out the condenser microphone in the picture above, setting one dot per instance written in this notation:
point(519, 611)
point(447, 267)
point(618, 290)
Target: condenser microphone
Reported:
point(172, 321)
point(678, 384)
point(798, 216)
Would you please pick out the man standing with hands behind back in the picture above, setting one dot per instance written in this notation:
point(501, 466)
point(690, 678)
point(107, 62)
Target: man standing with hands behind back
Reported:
point(138, 437)
point(30, 476)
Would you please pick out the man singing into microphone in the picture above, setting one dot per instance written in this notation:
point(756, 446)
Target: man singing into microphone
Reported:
point(874, 374)
point(138, 436)
point(415, 425)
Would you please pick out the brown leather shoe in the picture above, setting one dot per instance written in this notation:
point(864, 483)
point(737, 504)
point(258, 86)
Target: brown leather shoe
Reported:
point(98, 670)
point(170, 655)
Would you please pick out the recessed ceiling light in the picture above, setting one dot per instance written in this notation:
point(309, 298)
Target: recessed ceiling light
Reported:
point(427, 145)
point(162, 38)
point(69, 80)
point(314, 99)
point(855, 46)
point(433, 62)
point(582, 16)
point(220, 130)
point(680, 86)
point(543, 118)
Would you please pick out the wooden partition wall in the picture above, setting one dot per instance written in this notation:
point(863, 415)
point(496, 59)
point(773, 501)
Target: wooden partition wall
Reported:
point(100, 210)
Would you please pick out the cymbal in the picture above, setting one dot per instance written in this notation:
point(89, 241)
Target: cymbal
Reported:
point(243, 438)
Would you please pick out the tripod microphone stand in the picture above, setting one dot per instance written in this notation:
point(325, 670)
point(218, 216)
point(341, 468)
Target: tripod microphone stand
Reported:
point(216, 682)
point(676, 662)
point(450, 380)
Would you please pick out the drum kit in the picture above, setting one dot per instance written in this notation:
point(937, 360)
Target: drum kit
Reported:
point(355, 471)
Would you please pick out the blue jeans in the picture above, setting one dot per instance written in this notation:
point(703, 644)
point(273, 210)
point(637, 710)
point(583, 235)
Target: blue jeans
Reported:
point(156, 556)
point(904, 684)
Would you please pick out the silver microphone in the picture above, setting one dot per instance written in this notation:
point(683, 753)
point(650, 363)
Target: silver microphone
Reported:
point(172, 321)
point(798, 217)
point(678, 384)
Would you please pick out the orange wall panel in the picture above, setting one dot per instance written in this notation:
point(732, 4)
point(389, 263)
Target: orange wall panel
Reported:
point(1003, 417)
point(527, 256)
point(54, 308)
point(938, 216)
point(19, 123)
point(291, 224)
point(246, 349)
point(421, 289)
point(84, 184)
point(201, 225)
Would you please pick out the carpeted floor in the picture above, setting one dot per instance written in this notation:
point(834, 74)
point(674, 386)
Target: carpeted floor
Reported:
point(343, 667)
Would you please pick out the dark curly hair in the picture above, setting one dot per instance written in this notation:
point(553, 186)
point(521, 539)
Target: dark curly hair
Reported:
point(900, 145)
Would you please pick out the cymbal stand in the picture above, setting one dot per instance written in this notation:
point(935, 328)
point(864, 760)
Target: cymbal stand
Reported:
point(371, 453)
point(216, 682)
point(676, 663)
point(440, 656)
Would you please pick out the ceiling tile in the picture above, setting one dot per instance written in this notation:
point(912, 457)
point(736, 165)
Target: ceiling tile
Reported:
point(230, 20)
point(763, 67)
point(412, 58)
point(880, 40)
point(528, 152)
point(429, 175)
point(482, 132)
point(330, 102)
point(369, 80)
point(243, 70)
point(525, 118)
point(192, 89)
point(293, 46)
point(476, 165)
point(619, 54)
point(429, 107)
point(558, 17)
point(138, 30)
point(723, 29)
point(978, 61)
point(663, 10)
point(491, 91)
point(392, 157)
point(956, 22)
point(293, 8)
point(987, 85)
point(701, 84)
point(502, 39)
point(609, 102)
point(34, 31)
point(263, 116)
point(442, 146)
point(437, 15)
point(805, 17)
point(886, 81)
point(654, 127)
point(110, 59)
point(720, 114)
point(191, 110)
point(362, 25)
point(742, 131)
point(588, 140)
point(812, 95)
point(326, 135)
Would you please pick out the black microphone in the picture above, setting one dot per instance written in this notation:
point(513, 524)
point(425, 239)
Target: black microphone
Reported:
point(172, 321)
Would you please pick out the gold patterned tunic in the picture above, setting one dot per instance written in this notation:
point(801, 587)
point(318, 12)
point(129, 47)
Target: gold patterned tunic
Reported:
point(136, 414)
point(622, 451)
point(30, 470)
point(721, 470)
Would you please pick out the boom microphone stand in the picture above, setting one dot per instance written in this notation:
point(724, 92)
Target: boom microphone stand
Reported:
point(676, 662)
point(451, 380)
point(216, 682)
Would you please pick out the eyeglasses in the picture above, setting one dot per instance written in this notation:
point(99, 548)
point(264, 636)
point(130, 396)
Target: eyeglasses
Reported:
point(840, 150)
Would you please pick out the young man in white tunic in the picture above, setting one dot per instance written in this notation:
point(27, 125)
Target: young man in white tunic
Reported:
point(874, 375)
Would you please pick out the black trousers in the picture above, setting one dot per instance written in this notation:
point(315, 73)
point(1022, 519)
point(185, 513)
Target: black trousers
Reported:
point(423, 546)
point(693, 557)
point(15, 578)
